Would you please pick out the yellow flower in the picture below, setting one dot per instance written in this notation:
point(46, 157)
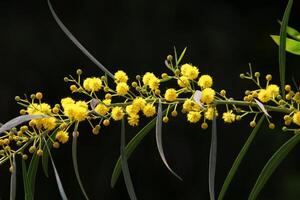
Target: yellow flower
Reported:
point(122, 88)
point(183, 81)
point(117, 113)
point(147, 77)
point(154, 83)
point(77, 111)
point(139, 103)
point(189, 71)
point(296, 118)
point(101, 109)
point(208, 95)
point(209, 114)
point(49, 123)
point(264, 96)
point(131, 110)
point(107, 102)
point(171, 94)
point(149, 110)
point(133, 120)
point(273, 90)
point(92, 84)
point(35, 109)
point(121, 76)
point(190, 105)
point(228, 117)
point(205, 81)
point(67, 101)
point(62, 136)
point(193, 116)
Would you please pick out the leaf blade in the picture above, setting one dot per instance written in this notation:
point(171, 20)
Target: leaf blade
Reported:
point(239, 159)
point(13, 180)
point(27, 190)
point(292, 46)
point(212, 160)
point(272, 164)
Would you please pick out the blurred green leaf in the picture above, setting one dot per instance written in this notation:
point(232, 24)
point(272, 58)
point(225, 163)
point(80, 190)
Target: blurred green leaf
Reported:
point(292, 46)
point(239, 158)
point(124, 165)
point(31, 173)
point(27, 188)
point(13, 180)
point(291, 32)
point(212, 160)
point(272, 165)
point(180, 57)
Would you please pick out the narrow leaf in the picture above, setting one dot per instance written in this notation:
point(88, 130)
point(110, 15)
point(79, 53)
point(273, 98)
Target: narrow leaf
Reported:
point(77, 43)
point(262, 107)
point(13, 180)
point(31, 173)
point(27, 189)
point(124, 164)
point(75, 162)
point(19, 120)
point(282, 45)
point(58, 181)
point(159, 139)
point(272, 164)
point(291, 31)
point(181, 56)
point(239, 159)
point(212, 159)
point(291, 46)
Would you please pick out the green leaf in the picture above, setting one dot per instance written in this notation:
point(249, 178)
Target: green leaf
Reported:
point(75, 162)
point(130, 148)
point(291, 31)
point(45, 157)
point(180, 57)
point(282, 45)
point(272, 164)
point(76, 42)
point(159, 139)
point(58, 181)
point(13, 180)
point(31, 173)
point(239, 158)
point(292, 46)
point(212, 160)
point(27, 189)
point(124, 165)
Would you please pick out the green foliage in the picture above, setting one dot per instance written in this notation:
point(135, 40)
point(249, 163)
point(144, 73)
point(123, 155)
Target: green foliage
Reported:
point(292, 46)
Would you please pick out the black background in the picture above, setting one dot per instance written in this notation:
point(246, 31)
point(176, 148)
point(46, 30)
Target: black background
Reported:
point(222, 37)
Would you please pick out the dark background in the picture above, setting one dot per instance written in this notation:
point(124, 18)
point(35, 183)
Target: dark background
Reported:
point(136, 36)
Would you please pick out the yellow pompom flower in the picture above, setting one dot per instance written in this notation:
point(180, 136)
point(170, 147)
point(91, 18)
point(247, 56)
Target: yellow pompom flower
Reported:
point(183, 81)
point(131, 110)
point(171, 94)
point(101, 109)
point(77, 111)
point(49, 123)
point(209, 114)
point(273, 90)
point(154, 83)
point(189, 71)
point(264, 96)
point(193, 116)
point(205, 81)
point(208, 95)
point(139, 103)
point(92, 84)
point(67, 101)
point(122, 88)
point(228, 117)
point(117, 113)
point(147, 77)
point(296, 118)
point(107, 102)
point(35, 109)
point(190, 105)
point(133, 120)
point(62, 136)
point(149, 110)
point(121, 76)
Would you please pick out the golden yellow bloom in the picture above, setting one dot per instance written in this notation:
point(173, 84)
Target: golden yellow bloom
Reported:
point(208, 95)
point(77, 111)
point(62, 136)
point(209, 114)
point(189, 71)
point(121, 76)
point(228, 117)
point(131, 110)
point(190, 105)
point(49, 123)
point(205, 81)
point(107, 102)
point(183, 81)
point(149, 110)
point(133, 120)
point(35, 109)
point(273, 90)
point(264, 96)
point(139, 103)
point(171, 94)
point(154, 83)
point(147, 77)
point(122, 88)
point(92, 84)
point(296, 118)
point(67, 101)
point(101, 109)
point(193, 116)
point(117, 113)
